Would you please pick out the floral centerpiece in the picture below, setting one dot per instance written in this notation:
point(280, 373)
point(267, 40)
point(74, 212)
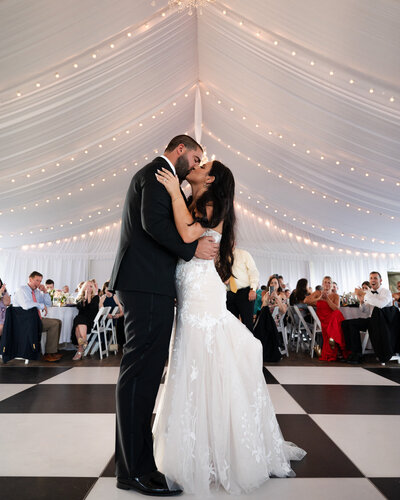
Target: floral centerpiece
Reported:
point(60, 298)
point(349, 299)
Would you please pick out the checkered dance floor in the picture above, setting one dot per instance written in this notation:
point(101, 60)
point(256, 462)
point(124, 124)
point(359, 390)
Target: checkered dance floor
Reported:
point(58, 424)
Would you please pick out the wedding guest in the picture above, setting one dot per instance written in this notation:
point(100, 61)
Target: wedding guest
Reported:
point(258, 301)
point(65, 289)
point(96, 286)
point(365, 286)
point(49, 285)
point(396, 295)
point(242, 287)
point(318, 288)
point(34, 294)
point(299, 293)
point(275, 297)
point(87, 303)
point(335, 288)
point(5, 301)
point(265, 328)
point(377, 296)
point(109, 299)
point(282, 285)
point(287, 294)
point(77, 290)
point(327, 303)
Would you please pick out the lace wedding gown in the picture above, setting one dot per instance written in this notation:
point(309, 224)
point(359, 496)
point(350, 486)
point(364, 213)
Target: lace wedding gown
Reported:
point(216, 424)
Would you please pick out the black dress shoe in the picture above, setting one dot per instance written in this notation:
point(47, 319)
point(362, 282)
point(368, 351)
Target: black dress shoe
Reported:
point(153, 484)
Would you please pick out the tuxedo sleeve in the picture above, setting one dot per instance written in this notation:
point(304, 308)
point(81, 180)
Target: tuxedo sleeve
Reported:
point(157, 221)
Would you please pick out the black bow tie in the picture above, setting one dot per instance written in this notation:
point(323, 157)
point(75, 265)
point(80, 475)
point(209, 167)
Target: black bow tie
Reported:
point(374, 291)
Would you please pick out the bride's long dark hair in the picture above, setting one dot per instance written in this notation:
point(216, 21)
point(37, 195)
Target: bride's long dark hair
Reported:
point(220, 194)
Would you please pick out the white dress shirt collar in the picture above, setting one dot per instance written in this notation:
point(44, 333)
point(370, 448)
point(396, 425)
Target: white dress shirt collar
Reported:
point(169, 163)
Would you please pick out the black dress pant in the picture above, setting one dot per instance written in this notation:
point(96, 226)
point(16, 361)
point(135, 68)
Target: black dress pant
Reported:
point(148, 325)
point(239, 305)
point(351, 331)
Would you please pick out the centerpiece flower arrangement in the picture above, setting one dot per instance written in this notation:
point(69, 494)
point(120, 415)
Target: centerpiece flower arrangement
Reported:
point(60, 298)
point(349, 299)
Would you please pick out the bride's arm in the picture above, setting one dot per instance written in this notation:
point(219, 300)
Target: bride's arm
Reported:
point(188, 231)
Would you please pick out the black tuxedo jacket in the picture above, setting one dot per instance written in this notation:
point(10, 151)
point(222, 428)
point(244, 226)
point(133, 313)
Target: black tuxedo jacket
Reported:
point(22, 333)
point(150, 243)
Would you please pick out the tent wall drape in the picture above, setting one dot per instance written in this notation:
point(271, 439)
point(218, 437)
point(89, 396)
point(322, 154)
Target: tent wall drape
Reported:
point(69, 262)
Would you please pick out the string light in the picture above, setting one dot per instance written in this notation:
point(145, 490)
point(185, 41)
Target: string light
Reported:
point(116, 136)
point(71, 238)
point(304, 187)
point(326, 156)
point(105, 48)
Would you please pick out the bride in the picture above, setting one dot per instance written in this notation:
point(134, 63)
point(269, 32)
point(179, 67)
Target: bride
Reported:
point(216, 424)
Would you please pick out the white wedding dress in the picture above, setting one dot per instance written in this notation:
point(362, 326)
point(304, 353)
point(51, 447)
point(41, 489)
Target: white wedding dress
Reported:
point(216, 425)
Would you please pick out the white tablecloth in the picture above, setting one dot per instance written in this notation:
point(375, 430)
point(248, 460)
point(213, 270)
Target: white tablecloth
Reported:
point(66, 315)
point(353, 312)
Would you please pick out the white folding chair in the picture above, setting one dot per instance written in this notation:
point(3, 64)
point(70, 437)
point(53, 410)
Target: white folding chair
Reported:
point(282, 330)
point(110, 327)
point(304, 329)
point(94, 336)
point(316, 328)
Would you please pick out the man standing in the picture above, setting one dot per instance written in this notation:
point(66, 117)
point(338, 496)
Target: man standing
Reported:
point(143, 276)
point(242, 287)
point(34, 294)
point(376, 296)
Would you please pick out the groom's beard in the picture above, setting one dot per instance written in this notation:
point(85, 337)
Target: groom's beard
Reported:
point(182, 167)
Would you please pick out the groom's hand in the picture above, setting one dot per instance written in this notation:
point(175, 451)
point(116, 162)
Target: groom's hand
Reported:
point(207, 249)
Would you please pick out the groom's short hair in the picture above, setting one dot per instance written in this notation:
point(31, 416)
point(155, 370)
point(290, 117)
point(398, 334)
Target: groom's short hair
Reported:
point(186, 140)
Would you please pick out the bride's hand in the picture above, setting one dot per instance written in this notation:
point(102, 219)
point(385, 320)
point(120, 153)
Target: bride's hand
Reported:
point(170, 181)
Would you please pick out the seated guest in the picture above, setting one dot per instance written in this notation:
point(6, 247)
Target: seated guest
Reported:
point(34, 294)
point(335, 288)
point(109, 299)
point(77, 290)
point(377, 296)
point(365, 286)
point(87, 303)
point(282, 285)
point(96, 286)
point(49, 285)
point(287, 294)
point(327, 303)
point(265, 328)
point(318, 288)
point(396, 295)
point(5, 301)
point(65, 289)
point(299, 293)
point(275, 297)
point(258, 301)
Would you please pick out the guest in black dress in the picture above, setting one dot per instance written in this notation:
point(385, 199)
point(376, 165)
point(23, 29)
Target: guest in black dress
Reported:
point(87, 303)
point(109, 299)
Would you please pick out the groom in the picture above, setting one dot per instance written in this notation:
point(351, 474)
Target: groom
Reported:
point(143, 276)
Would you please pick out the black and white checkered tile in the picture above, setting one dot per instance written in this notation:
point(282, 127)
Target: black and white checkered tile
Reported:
point(58, 425)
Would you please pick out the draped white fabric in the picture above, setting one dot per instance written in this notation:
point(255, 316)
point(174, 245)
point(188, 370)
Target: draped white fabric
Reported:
point(300, 99)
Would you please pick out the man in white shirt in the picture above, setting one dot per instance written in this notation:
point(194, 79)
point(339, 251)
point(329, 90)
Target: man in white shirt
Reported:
point(242, 287)
point(377, 296)
point(34, 294)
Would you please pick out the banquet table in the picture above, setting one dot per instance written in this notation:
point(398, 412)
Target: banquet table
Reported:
point(353, 312)
point(66, 314)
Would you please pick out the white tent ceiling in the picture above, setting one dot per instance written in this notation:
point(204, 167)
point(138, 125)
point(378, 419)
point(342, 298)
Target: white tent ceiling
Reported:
point(300, 99)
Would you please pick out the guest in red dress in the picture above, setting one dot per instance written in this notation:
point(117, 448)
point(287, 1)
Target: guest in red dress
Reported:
point(327, 303)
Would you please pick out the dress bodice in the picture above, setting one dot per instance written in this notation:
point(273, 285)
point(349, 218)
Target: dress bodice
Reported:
point(215, 234)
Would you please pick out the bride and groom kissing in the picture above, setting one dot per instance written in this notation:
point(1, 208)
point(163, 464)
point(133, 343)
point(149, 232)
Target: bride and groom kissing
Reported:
point(215, 425)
